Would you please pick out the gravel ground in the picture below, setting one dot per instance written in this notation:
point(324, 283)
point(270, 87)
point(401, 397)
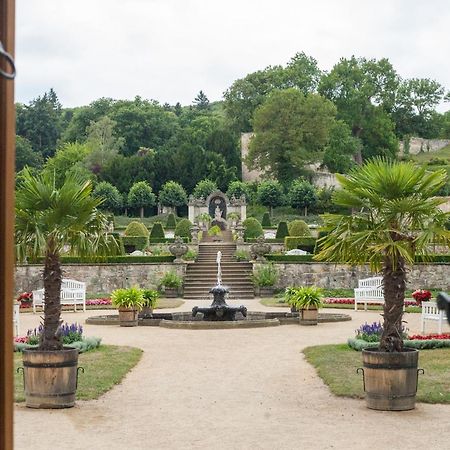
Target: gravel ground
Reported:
point(227, 389)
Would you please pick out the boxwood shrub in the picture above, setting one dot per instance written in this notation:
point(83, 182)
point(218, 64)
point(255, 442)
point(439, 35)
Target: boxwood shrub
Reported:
point(183, 229)
point(266, 220)
point(136, 228)
point(299, 228)
point(282, 230)
point(253, 228)
point(132, 243)
point(157, 231)
point(303, 243)
point(290, 258)
point(171, 221)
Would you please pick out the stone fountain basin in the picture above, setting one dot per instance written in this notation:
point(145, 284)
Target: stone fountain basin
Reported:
point(184, 320)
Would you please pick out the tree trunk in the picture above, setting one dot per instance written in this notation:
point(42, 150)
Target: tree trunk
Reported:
point(394, 279)
point(50, 339)
point(142, 212)
point(306, 211)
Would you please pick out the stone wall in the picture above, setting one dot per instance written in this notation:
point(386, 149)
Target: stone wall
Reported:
point(99, 278)
point(416, 145)
point(331, 276)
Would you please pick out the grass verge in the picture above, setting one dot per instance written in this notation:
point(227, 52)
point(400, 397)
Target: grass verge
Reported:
point(104, 368)
point(337, 364)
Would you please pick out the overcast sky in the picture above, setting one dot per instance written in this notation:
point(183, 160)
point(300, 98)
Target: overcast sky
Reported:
point(169, 50)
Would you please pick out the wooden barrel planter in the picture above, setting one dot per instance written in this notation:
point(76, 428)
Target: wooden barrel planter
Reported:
point(309, 316)
point(128, 317)
point(50, 378)
point(390, 379)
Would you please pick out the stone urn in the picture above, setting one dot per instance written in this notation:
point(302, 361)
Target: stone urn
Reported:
point(194, 233)
point(178, 249)
point(260, 248)
point(240, 233)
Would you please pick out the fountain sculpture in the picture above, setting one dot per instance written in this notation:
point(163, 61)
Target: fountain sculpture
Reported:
point(219, 310)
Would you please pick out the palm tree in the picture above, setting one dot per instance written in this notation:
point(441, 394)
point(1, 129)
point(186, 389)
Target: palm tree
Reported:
point(51, 221)
point(397, 218)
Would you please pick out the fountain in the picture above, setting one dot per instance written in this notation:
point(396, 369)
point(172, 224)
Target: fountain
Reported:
point(219, 310)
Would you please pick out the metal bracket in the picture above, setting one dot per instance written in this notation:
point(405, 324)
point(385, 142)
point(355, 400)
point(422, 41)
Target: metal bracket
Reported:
point(422, 372)
point(358, 370)
point(8, 75)
point(78, 371)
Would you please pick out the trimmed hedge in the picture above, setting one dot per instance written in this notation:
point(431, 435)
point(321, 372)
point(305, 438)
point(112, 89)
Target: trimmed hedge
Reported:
point(171, 221)
point(136, 228)
point(138, 242)
point(166, 240)
point(290, 258)
point(183, 229)
point(303, 243)
point(282, 230)
point(433, 259)
point(113, 259)
point(299, 228)
point(268, 240)
point(253, 228)
point(359, 344)
point(266, 220)
point(157, 231)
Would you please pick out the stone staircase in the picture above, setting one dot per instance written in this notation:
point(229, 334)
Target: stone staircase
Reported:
point(201, 276)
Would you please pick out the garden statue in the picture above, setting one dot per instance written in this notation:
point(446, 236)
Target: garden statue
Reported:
point(178, 249)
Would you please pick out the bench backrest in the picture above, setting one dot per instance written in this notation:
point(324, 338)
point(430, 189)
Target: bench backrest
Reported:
point(374, 282)
point(72, 284)
point(430, 310)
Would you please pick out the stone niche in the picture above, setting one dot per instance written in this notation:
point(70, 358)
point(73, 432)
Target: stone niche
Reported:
point(219, 208)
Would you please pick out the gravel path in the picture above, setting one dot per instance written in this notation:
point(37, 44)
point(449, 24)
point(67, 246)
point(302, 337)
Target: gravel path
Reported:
point(227, 389)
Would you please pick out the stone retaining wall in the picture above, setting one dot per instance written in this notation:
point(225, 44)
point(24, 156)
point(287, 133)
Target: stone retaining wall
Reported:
point(103, 278)
point(99, 278)
point(342, 276)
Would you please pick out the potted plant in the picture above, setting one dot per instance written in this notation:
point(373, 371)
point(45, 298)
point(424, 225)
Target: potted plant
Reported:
point(204, 219)
point(216, 233)
point(129, 302)
point(290, 297)
point(233, 217)
point(264, 279)
point(421, 295)
point(308, 300)
point(396, 216)
point(171, 283)
point(150, 300)
point(50, 221)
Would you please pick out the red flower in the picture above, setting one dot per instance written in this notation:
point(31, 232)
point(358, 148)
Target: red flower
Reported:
point(421, 295)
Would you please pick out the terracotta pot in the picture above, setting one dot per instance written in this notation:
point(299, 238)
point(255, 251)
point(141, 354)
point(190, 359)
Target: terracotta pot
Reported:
point(128, 317)
point(50, 378)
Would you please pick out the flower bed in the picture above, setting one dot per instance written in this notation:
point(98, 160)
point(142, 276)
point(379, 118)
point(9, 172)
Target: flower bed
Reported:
point(351, 301)
point(98, 301)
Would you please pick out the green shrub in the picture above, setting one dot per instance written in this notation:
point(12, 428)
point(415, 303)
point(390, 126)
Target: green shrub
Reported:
point(171, 221)
point(150, 298)
point(282, 230)
point(183, 228)
point(266, 220)
point(191, 255)
point(359, 344)
point(433, 258)
point(214, 231)
point(299, 228)
point(308, 244)
point(242, 255)
point(132, 243)
point(157, 231)
point(171, 280)
point(136, 228)
point(265, 276)
point(253, 228)
point(120, 259)
point(127, 298)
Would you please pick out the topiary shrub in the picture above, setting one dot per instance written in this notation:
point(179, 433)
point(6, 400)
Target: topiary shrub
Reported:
point(282, 230)
point(171, 221)
point(183, 228)
point(157, 231)
point(266, 220)
point(299, 228)
point(253, 228)
point(136, 228)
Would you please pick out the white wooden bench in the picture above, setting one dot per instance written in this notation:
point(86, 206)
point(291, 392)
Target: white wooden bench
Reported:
point(430, 311)
point(369, 290)
point(16, 318)
point(72, 293)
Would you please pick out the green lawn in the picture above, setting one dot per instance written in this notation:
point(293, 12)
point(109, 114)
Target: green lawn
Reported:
point(104, 368)
point(425, 156)
point(337, 364)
